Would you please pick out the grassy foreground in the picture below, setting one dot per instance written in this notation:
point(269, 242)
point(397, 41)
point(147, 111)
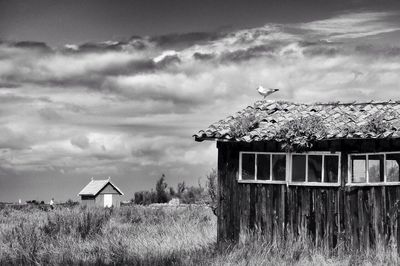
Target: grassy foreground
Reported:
point(139, 235)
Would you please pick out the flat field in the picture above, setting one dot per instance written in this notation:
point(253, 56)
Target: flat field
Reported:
point(158, 235)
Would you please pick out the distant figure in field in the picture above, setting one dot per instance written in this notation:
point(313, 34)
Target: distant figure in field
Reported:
point(51, 203)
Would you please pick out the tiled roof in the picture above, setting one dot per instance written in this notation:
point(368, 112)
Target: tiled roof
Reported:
point(95, 186)
point(267, 120)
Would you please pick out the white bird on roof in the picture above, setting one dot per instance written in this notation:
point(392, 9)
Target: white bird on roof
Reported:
point(265, 92)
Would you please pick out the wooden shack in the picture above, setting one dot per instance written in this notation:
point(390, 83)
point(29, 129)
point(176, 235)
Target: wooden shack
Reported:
point(330, 170)
point(102, 193)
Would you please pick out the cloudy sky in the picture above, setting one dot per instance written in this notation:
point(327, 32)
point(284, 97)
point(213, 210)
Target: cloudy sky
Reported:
point(103, 89)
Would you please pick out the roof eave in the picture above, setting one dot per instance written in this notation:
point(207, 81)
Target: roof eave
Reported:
point(201, 139)
point(114, 186)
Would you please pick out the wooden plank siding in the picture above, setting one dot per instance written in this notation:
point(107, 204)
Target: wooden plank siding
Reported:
point(356, 217)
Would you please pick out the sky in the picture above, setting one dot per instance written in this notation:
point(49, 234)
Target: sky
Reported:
point(117, 88)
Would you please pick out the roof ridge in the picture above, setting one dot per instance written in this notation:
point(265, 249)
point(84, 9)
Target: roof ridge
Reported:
point(372, 102)
point(94, 190)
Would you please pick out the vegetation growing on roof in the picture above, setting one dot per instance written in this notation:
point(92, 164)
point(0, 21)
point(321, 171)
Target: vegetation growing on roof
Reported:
point(300, 133)
point(340, 120)
point(376, 123)
point(243, 124)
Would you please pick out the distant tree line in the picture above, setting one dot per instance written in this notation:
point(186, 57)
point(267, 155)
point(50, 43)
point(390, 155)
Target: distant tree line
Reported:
point(186, 194)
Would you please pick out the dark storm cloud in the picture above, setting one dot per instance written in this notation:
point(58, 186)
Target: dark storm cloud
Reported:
point(184, 40)
point(108, 157)
point(152, 153)
point(100, 47)
point(203, 56)
point(40, 46)
point(10, 99)
point(250, 53)
point(388, 51)
point(321, 51)
point(8, 85)
point(49, 114)
point(13, 140)
point(80, 141)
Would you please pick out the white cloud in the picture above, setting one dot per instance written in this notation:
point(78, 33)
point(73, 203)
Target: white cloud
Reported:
point(121, 112)
point(353, 25)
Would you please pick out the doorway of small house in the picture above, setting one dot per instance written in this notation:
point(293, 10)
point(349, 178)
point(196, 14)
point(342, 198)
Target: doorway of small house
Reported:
point(107, 200)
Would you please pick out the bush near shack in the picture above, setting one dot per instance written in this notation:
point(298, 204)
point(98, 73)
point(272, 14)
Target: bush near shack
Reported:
point(187, 195)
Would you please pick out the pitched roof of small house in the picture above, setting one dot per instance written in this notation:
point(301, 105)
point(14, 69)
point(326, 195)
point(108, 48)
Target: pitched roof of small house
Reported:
point(95, 186)
point(281, 120)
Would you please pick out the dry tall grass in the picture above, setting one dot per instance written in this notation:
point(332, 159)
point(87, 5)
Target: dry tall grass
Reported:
point(140, 235)
point(129, 235)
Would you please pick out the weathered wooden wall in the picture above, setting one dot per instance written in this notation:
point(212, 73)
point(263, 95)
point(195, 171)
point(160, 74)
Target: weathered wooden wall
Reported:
point(354, 217)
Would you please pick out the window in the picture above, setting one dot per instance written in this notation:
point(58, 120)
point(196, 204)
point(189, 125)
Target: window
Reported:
point(374, 168)
point(262, 167)
point(299, 168)
point(392, 167)
point(315, 168)
point(279, 167)
point(359, 168)
point(248, 169)
point(331, 167)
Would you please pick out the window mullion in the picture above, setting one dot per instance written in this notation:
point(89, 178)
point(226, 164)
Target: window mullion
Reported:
point(290, 161)
point(349, 169)
point(288, 177)
point(384, 168)
point(367, 167)
point(306, 168)
point(323, 169)
point(270, 167)
point(255, 170)
point(240, 165)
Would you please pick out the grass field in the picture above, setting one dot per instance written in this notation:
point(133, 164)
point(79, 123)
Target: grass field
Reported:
point(138, 235)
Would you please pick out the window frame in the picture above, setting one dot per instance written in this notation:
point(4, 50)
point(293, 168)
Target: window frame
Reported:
point(316, 184)
point(270, 181)
point(367, 183)
point(288, 171)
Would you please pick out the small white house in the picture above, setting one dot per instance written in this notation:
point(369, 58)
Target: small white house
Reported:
point(102, 193)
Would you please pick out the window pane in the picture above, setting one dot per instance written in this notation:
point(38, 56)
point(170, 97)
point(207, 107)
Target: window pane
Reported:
point(358, 165)
point(331, 168)
point(279, 167)
point(314, 168)
point(299, 168)
point(263, 166)
point(375, 168)
point(392, 167)
point(248, 166)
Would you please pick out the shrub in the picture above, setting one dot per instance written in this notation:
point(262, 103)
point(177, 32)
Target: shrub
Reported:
point(193, 195)
point(161, 194)
point(145, 197)
point(212, 190)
